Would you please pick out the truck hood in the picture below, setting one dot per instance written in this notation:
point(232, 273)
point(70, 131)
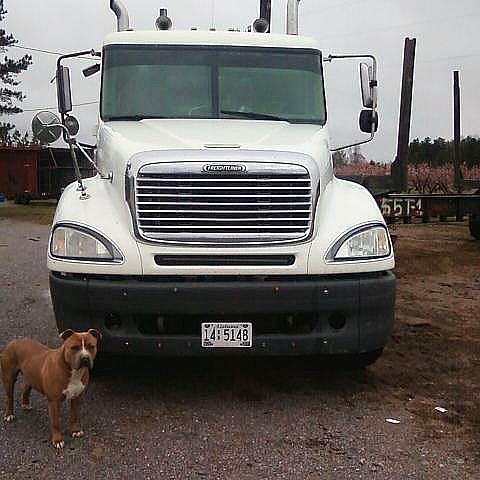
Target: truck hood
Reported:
point(147, 135)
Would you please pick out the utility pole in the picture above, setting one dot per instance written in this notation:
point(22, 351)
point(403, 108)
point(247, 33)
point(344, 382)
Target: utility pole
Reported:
point(266, 11)
point(399, 168)
point(456, 131)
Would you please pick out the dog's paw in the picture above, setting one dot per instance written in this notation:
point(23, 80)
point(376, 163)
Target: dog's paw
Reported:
point(58, 444)
point(26, 406)
point(78, 434)
point(9, 418)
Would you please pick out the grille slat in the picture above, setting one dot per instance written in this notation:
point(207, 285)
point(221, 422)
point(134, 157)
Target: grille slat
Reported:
point(216, 237)
point(265, 203)
point(224, 227)
point(226, 219)
point(145, 177)
point(219, 203)
point(231, 188)
point(209, 211)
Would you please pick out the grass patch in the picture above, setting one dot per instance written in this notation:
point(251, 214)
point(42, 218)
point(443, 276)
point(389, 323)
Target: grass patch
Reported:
point(40, 212)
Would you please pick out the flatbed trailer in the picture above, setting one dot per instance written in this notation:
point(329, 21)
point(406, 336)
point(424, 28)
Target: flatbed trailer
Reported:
point(406, 206)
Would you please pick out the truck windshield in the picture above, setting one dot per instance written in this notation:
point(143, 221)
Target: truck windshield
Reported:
point(145, 81)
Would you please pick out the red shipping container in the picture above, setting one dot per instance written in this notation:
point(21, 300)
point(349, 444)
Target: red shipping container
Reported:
point(18, 172)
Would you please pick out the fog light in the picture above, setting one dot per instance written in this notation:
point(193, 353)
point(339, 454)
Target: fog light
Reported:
point(113, 321)
point(337, 320)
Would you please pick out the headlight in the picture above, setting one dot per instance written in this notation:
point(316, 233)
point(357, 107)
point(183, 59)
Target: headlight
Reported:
point(368, 243)
point(80, 243)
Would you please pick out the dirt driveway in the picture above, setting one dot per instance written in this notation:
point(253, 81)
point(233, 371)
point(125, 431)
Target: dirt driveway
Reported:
point(269, 418)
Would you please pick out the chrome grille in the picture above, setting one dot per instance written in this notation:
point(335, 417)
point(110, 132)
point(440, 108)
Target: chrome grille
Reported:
point(181, 202)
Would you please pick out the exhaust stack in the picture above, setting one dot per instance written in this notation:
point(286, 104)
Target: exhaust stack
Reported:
point(123, 20)
point(292, 17)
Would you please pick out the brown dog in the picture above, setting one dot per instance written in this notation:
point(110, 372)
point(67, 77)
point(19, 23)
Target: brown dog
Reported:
point(60, 374)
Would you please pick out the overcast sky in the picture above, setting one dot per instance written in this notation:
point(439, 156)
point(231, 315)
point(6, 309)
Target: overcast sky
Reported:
point(446, 33)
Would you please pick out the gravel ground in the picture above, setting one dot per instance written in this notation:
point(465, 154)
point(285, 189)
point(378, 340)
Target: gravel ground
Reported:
point(268, 418)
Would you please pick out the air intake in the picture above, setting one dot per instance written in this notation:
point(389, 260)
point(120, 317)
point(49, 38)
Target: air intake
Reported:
point(292, 17)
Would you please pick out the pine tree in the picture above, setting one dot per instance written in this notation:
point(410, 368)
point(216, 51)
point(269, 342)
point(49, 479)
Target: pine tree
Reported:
point(9, 95)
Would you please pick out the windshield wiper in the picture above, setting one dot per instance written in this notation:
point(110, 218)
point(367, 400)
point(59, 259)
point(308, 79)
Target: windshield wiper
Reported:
point(131, 117)
point(254, 115)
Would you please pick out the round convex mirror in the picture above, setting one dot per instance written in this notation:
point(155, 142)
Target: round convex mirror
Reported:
point(72, 125)
point(46, 127)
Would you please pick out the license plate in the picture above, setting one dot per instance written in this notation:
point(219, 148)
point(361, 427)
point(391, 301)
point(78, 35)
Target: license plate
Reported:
point(226, 335)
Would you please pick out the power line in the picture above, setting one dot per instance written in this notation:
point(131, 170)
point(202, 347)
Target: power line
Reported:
point(37, 50)
point(453, 57)
point(49, 52)
point(403, 25)
point(331, 7)
point(53, 108)
point(435, 60)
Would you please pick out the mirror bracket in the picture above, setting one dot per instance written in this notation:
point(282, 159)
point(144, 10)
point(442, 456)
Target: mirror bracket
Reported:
point(373, 84)
point(63, 83)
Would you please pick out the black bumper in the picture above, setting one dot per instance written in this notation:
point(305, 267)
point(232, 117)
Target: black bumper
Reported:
point(291, 315)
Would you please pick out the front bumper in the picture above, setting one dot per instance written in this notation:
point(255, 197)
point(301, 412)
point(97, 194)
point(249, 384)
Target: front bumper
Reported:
point(291, 315)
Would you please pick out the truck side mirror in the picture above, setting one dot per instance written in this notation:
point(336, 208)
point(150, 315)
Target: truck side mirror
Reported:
point(368, 91)
point(368, 119)
point(64, 91)
point(46, 127)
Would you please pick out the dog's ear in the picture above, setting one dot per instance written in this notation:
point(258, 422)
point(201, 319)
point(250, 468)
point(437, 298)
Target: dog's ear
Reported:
point(95, 333)
point(66, 334)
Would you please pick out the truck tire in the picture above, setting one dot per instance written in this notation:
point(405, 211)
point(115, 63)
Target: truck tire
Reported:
point(474, 225)
point(356, 361)
point(362, 360)
point(104, 362)
point(353, 361)
point(22, 199)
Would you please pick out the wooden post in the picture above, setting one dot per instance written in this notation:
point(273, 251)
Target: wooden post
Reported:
point(266, 11)
point(456, 131)
point(399, 168)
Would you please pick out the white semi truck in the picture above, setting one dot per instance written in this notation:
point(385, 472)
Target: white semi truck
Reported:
point(215, 224)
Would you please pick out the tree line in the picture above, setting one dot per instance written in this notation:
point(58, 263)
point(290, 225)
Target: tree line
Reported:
point(439, 152)
point(435, 152)
point(10, 95)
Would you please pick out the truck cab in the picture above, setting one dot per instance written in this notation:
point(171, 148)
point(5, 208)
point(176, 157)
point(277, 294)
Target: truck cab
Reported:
point(215, 224)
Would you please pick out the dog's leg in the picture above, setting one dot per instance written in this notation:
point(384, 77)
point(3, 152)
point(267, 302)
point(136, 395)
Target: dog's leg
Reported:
point(74, 425)
point(54, 413)
point(26, 397)
point(9, 377)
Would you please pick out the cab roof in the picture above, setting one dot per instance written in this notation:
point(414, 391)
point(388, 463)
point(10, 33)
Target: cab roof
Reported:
point(201, 37)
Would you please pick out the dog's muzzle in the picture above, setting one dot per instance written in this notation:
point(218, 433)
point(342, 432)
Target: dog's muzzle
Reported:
point(86, 362)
